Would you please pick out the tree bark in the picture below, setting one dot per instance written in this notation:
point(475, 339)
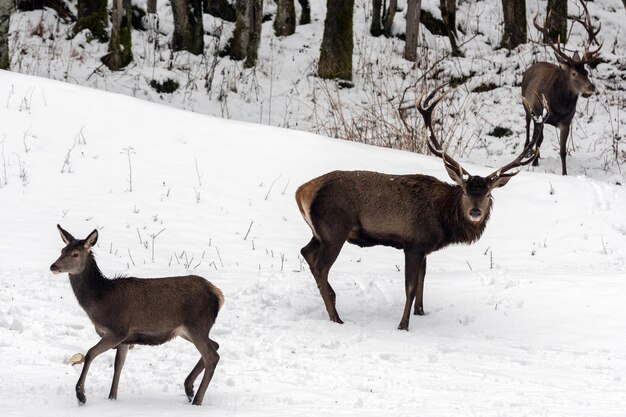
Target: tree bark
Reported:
point(285, 20)
point(556, 21)
point(188, 30)
point(152, 7)
point(376, 26)
point(388, 18)
point(6, 7)
point(305, 15)
point(221, 9)
point(337, 44)
point(448, 13)
point(120, 46)
point(514, 23)
point(245, 44)
point(93, 15)
point(413, 10)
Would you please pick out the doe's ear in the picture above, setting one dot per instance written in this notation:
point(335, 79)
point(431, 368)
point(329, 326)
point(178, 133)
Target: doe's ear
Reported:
point(91, 240)
point(65, 235)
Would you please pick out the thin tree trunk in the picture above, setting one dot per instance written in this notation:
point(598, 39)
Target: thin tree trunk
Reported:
point(285, 20)
point(305, 15)
point(391, 12)
point(337, 44)
point(221, 9)
point(6, 7)
point(376, 26)
point(93, 15)
point(514, 23)
point(413, 10)
point(556, 20)
point(120, 46)
point(247, 34)
point(188, 30)
point(448, 13)
point(152, 6)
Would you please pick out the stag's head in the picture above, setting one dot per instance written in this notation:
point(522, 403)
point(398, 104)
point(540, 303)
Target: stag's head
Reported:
point(476, 197)
point(574, 66)
point(74, 255)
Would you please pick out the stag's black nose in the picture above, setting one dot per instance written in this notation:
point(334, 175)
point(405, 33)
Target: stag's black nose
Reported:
point(475, 213)
point(54, 268)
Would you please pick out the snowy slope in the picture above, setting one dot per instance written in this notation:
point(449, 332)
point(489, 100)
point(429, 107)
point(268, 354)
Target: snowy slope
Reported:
point(528, 321)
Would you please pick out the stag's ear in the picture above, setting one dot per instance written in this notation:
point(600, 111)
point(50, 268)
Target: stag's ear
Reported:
point(455, 175)
point(65, 235)
point(91, 239)
point(501, 181)
point(576, 57)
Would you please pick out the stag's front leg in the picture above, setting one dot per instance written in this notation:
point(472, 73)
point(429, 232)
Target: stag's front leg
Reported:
point(106, 343)
point(413, 259)
point(419, 296)
point(564, 134)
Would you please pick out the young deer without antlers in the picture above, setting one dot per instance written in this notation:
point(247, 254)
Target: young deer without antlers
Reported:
point(560, 85)
point(129, 311)
point(416, 213)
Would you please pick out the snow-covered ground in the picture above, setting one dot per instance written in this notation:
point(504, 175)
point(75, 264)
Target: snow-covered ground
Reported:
point(282, 90)
point(527, 321)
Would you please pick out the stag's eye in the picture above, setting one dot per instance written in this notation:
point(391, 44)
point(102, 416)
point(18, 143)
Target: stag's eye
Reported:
point(75, 255)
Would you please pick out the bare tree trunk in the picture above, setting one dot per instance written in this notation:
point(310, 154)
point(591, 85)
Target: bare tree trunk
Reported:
point(245, 44)
point(337, 44)
point(6, 7)
point(376, 26)
point(285, 21)
point(152, 6)
point(93, 15)
point(413, 10)
point(624, 1)
point(556, 20)
point(188, 30)
point(120, 46)
point(221, 9)
point(388, 18)
point(448, 13)
point(514, 23)
point(305, 15)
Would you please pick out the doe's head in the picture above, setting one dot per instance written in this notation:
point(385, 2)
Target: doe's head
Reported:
point(74, 255)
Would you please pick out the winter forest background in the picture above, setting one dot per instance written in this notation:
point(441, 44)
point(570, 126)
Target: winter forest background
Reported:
point(240, 103)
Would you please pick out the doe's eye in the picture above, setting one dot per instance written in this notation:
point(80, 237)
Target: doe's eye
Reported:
point(74, 255)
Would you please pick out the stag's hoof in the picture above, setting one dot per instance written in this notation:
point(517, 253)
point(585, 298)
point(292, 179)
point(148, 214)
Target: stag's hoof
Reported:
point(189, 392)
point(419, 311)
point(81, 398)
point(336, 319)
point(404, 325)
point(112, 397)
point(197, 401)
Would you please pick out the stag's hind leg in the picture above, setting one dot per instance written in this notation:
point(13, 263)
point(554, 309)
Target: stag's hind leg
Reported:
point(564, 134)
point(326, 257)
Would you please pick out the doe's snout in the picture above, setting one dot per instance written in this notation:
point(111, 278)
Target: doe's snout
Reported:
point(475, 213)
point(54, 268)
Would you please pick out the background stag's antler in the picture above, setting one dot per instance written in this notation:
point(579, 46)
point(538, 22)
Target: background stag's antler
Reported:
point(529, 153)
point(425, 107)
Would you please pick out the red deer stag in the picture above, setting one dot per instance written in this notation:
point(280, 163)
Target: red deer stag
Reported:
point(129, 311)
point(560, 85)
point(416, 213)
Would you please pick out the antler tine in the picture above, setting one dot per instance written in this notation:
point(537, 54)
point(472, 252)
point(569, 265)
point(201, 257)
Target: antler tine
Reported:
point(546, 35)
point(529, 153)
point(585, 20)
point(433, 143)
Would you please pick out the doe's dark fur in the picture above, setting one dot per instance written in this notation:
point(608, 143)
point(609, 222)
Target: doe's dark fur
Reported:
point(130, 310)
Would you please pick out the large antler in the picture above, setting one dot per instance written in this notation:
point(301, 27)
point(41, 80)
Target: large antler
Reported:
point(585, 20)
point(434, 145)
point(561, 56)
point(529, 153)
